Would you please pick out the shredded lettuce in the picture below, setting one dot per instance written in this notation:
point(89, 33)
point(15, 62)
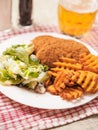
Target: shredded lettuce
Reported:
point(20, 52)
point(18, 65)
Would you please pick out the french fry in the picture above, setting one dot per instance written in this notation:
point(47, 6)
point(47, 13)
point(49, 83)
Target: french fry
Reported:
point(71, 93)
point(48, 82)
point(68, 60)
point(90, 62)
point(52, 89)
point(87, 80)
point(70, 66)
point(57, 69)
point(74, 78)
point(59, 82)
point(52, 73)
point(63, 80)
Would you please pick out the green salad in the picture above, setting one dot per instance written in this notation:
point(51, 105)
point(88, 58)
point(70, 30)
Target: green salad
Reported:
point(19, 66)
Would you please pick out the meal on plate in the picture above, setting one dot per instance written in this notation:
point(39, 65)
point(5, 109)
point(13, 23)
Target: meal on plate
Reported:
point(62, 67)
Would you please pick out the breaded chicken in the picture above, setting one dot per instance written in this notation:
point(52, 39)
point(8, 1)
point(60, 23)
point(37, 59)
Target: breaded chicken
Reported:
point(50, 53)
point(41, 40)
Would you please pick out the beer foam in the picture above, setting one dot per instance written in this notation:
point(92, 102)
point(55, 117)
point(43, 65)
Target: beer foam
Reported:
point(80, 6)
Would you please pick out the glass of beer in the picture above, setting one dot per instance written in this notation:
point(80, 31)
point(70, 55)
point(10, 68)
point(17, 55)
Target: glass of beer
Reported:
point(76, 17)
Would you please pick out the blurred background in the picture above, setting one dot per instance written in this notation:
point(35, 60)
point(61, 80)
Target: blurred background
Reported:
point(44, 11)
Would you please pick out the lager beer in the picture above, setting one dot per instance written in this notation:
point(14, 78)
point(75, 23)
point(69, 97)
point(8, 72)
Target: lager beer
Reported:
point(76, 17)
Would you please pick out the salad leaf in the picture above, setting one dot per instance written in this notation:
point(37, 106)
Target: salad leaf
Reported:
point(33, 60)
point(29, 73)
point(19, 66)
point(20, 52)
point(7, 79)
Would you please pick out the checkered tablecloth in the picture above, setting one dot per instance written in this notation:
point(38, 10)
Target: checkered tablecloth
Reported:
point(15, 116)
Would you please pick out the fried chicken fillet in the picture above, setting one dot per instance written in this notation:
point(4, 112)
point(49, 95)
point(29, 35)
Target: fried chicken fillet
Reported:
point(42, 40)
point(49, 49)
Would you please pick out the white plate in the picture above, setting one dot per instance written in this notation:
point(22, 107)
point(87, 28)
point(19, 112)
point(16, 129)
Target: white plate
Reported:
point(46, 101)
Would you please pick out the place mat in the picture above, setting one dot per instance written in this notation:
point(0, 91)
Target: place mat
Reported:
point(16, 116)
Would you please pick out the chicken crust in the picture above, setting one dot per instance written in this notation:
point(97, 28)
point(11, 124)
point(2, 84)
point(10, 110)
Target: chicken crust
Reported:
point(42, 40)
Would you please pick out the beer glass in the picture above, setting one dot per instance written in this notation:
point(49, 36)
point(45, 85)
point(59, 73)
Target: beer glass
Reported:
point(76, 17)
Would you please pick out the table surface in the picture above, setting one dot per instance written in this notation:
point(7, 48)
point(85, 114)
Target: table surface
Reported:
point(48, 15)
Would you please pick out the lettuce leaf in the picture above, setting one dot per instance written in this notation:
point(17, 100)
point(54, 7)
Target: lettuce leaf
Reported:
point(19, 66)
point(20, 52)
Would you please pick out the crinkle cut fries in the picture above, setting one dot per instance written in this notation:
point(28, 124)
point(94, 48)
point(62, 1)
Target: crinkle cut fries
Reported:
point(73, 78)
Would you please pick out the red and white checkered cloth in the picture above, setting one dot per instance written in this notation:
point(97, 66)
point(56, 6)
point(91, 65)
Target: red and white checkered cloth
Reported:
point(15, 116)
